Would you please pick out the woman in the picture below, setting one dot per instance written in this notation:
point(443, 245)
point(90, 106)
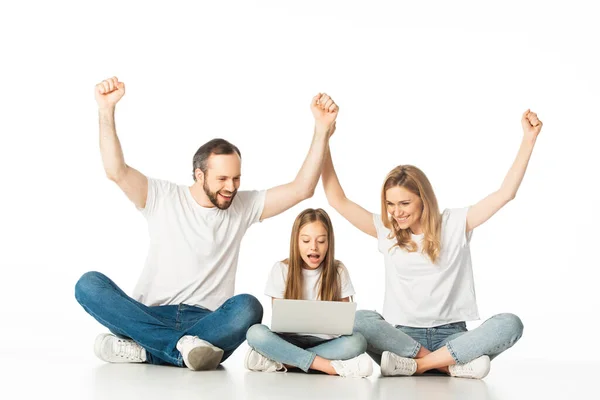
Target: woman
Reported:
point(310, 273)
point(429, 289)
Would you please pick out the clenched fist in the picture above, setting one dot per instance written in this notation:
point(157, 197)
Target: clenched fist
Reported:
point(531, 124)
point(109, 92)
point(325, 112)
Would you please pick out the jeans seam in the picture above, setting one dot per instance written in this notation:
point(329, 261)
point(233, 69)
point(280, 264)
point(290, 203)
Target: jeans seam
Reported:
point(308, 363)
point(416, 350)
point(452, 353)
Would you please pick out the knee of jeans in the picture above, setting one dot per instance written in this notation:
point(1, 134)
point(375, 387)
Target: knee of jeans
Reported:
point(512, 324)
point(353, 346)
point(88, 285)
point(257, 334)
point(358, 343)
point(364, 318)
point(253, 310)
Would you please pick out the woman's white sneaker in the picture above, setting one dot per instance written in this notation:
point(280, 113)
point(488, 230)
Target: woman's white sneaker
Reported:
point(198, 354)
point(113, 349)
point(394, 365)
point(255, 361)
point(357, 367)
point(476, 369)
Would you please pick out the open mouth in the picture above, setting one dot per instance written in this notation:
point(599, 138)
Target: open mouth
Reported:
point(226, 197)
point(314, 258)
point(401, 220)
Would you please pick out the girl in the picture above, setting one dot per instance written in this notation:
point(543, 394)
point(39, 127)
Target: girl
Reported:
point(310, 273)
point(429, 289)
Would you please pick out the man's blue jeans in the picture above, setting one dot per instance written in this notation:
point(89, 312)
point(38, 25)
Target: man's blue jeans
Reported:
point(157, 329)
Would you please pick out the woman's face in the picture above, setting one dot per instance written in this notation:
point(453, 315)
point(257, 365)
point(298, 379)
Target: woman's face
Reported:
point(313, 244)
point(405, 207)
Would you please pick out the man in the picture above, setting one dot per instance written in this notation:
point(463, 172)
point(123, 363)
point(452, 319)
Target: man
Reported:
point(183, 311)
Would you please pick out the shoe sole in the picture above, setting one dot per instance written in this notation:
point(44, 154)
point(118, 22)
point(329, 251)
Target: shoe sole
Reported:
point(204, 358)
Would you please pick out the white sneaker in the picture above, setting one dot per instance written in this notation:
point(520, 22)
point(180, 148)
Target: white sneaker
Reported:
point(198, 354)
point(476, 369)
point(112, 349)
point(255, 361)
point(357, 367)
point(394, 365)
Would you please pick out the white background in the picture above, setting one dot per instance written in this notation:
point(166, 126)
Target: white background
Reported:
point(441, 86)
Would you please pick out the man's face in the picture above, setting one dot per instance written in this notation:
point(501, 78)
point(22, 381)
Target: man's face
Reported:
point(222, 179)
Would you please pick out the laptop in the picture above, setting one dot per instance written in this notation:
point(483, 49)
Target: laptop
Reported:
point(313, 317)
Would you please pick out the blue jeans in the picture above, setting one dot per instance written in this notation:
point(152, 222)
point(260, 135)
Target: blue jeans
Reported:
point(158, 329)
point(301, 350)
point(491, 338)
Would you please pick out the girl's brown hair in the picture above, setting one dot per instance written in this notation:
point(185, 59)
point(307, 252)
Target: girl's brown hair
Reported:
point(330, 281)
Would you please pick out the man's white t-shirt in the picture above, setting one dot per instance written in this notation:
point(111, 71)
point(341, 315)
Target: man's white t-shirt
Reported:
point(194, 250)
point(421, 294)
point(276, 283)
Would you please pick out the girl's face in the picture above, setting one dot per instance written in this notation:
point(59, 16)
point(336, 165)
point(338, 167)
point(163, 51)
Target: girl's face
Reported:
point(405, 207)
point(313, 244)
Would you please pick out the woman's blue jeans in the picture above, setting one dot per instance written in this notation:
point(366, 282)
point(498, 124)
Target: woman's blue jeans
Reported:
point(491, 338)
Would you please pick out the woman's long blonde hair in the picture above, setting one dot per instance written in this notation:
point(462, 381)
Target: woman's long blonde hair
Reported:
point(414, 180)
point(330, 282)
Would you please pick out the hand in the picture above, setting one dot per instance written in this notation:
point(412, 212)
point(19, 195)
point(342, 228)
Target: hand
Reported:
point(325, 112)
point(109, 92)
point(531, 124)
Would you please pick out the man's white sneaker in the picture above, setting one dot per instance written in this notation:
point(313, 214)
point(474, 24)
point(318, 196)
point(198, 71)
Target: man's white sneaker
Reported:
point(112, 349)
point(255, 361)
point(357, 367)
point(198, 354)
point(476, 369)
point(394, 365)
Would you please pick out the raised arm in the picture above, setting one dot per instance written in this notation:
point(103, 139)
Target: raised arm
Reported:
point(131, 181)
point(281, 198)
point(355, 214)
point(482, 211)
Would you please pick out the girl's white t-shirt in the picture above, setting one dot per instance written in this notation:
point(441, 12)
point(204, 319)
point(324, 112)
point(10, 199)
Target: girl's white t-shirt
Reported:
point(421, 294)
point(276, 282)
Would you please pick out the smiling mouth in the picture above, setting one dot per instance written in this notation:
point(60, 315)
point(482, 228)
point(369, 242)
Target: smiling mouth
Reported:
point(226, 197)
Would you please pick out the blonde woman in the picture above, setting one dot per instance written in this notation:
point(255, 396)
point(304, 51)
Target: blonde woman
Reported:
point(429, 288)
point(310, 273)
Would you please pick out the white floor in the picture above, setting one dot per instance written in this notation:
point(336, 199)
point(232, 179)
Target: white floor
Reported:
point(75, 374)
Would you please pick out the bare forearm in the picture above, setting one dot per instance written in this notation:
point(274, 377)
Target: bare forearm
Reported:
point(515, 175)
point(331, 183)
point(110, 147)
point(309, 173)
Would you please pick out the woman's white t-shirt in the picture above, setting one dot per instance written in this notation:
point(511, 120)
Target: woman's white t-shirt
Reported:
point(421, 294)
point(276, 283)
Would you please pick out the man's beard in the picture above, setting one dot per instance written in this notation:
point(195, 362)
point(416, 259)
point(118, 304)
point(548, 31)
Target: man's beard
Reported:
point(213, 197)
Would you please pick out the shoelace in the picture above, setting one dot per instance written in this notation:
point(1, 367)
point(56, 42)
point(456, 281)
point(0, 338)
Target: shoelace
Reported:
point(347, 369)
point(127, 349)
point(269, 365)
point(341, 368)
point(403, 364)
point(187, 340)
